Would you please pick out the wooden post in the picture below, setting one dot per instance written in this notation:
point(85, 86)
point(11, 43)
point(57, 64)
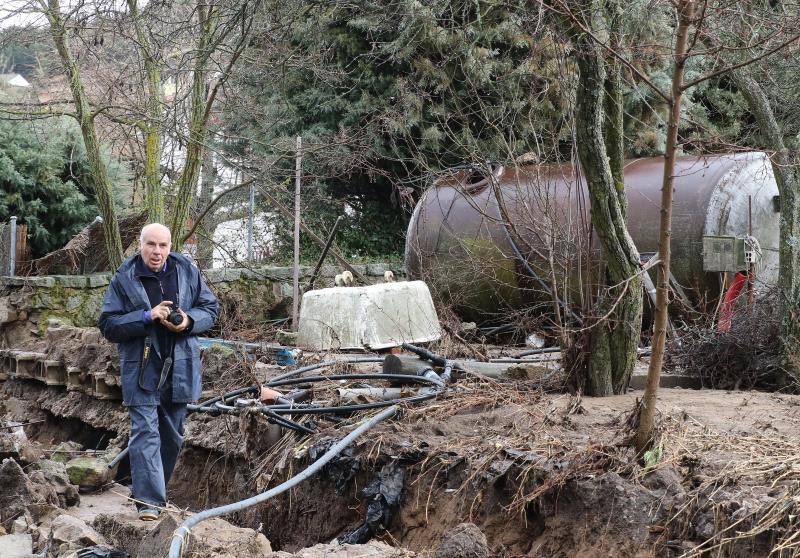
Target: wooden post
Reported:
point(22, 255)
point(296, 283)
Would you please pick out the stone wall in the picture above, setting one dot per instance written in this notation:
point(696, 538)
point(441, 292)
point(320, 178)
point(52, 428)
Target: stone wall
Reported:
point(29, 304)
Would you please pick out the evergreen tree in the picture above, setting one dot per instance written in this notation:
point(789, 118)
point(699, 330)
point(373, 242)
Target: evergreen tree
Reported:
point(44, 181)
point(386, 93)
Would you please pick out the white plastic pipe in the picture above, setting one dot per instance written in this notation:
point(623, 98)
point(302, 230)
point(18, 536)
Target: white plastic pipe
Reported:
point(183, 531)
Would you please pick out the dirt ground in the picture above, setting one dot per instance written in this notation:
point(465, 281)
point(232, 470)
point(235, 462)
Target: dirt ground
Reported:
point(553, 475)
point(539, 474)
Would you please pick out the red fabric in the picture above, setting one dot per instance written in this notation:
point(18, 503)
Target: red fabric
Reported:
point(729, 302)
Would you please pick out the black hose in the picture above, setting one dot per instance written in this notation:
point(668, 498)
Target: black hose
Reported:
point(218, 405)
point(537, 352)
point(342, 409)
point(310, 367)
point(425, 354)
point(271, 417)
point(333, 377)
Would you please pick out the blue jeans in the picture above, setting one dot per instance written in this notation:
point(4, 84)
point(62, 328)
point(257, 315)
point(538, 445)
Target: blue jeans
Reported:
point(155, 443)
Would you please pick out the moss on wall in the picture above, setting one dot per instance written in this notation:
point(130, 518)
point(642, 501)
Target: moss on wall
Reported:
point(254, 295)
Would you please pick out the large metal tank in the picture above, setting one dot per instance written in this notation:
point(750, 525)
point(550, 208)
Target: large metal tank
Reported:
point(458, 243)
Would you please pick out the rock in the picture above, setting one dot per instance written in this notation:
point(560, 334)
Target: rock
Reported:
point(88, 472)
point(62, 322)
point(464, 541)
point(286, 338)
point(19, 494)
point(16, 546)
point(212, 538)
point(156, 542)
point(55, 474)
point(665, 480)
point(20, 526)
point(31, 453)
point(10, 446)
point(122, 531)
point(72, 531)
point(8, 314)
point(64, 452)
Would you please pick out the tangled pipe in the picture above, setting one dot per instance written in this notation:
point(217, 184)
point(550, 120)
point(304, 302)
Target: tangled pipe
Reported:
point(183, 530)
point(436, 383)
point(434, 358)
point(218, 405)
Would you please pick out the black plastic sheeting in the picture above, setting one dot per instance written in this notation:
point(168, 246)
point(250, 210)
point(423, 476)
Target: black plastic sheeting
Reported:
point(383, 494)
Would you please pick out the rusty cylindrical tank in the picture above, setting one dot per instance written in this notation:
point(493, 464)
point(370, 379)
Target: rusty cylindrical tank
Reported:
point(457, 240)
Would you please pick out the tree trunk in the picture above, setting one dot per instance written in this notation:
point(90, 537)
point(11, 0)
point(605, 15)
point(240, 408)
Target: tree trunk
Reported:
point(784, 165)
point(205, 244)
point(100, 182)
point(614, 124)
point(685, 10)
point(197, 130)
point(614, 339)
point(154, 194)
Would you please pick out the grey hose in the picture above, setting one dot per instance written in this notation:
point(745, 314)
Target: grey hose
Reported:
point(183, 530)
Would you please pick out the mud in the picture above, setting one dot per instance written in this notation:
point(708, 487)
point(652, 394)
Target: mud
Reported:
point(536, 474)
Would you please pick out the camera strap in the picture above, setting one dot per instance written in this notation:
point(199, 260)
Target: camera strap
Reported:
point(166, 366)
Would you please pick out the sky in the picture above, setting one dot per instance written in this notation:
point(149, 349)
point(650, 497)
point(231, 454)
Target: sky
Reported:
point(27, 12)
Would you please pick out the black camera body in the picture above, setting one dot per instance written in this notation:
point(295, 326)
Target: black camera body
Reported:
point(175, 317)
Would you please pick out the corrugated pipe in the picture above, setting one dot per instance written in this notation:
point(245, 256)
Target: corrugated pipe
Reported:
point(183, 531)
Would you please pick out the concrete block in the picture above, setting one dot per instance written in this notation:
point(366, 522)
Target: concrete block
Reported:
point(374, 316)
point(71, 281)
point(105, 390)
point(52, 372)
point(79, 380)
point(98, 280)
point(45, 281)
point(25, 364)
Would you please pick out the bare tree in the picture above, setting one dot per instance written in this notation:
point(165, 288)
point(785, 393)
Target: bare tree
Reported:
point(614, 338)
point(736, 37)
point(152, 124)
point(86, 118)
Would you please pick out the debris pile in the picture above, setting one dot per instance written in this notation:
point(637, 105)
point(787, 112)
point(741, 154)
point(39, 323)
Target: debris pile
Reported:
point(746, 356)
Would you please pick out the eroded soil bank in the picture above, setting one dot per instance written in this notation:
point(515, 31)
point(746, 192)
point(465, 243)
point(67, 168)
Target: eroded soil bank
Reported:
point(538, 474)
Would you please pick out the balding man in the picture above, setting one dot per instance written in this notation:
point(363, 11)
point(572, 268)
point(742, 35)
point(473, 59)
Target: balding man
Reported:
point(156, 305)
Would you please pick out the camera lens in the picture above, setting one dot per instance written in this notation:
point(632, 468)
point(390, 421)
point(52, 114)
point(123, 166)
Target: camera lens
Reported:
point(175, 318)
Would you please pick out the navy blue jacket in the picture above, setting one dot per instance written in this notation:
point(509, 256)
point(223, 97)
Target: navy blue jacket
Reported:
point(121, 322)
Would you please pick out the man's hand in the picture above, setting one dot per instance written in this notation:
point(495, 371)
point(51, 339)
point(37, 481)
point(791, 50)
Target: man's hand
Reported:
point(176, 328)
point(160, 312)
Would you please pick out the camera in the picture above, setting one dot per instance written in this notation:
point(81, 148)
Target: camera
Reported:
point(175, 317)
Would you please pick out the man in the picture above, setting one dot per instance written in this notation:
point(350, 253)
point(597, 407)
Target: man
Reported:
point(156, 305)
